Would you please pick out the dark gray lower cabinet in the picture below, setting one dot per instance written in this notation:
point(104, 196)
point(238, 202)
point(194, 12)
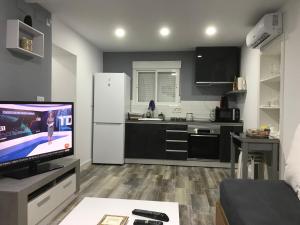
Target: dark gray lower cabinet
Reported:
point(225, 141)
point(145, 141)
point(176, 145)
point(165, 141)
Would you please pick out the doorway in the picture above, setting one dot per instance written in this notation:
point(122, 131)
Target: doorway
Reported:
point(64, 63)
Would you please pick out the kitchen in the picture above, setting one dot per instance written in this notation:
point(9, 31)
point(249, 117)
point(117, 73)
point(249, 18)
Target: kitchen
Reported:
point(184, 130)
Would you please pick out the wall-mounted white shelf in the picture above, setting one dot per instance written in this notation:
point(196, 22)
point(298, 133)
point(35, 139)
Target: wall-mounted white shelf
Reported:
point(238, 92)
point(270, 107)
point(271, 79)
point(16, 29)
point(270, 84)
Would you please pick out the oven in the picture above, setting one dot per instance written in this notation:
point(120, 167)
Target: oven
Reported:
point(204, 142)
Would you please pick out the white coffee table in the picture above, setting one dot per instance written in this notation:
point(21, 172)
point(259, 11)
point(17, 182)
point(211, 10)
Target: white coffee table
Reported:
point(90, 210)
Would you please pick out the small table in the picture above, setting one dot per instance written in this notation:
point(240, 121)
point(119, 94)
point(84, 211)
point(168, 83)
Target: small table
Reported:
point(91, 210)
point(246, 145)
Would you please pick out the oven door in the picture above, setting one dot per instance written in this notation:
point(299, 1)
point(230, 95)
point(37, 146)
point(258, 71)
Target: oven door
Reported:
point(203, 146)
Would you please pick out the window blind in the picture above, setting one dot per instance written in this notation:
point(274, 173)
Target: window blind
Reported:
point(166, 87)
point(146, 86)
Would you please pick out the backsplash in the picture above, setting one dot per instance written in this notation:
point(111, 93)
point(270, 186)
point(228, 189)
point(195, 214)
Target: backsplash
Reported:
point(200, 109)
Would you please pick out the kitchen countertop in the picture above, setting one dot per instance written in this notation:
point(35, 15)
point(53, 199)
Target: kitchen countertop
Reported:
point(196, 122)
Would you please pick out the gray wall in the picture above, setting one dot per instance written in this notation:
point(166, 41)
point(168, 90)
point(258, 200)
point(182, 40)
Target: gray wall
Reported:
point(122, 62)
point(22, 77)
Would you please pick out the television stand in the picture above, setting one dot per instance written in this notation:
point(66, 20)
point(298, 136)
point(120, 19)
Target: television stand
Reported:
point(38, 199)
point(32, 170)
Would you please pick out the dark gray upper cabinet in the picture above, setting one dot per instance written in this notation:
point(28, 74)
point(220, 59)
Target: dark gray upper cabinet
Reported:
point(217, 64)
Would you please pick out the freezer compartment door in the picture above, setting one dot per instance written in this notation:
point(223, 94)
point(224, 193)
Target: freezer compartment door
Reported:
point(108, 143)
point(109, 98)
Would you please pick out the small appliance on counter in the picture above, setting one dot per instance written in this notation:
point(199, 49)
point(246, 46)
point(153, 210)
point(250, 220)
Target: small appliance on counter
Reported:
point(225, 115)
point(190, 117)
point(161, 116)
point(224, 102)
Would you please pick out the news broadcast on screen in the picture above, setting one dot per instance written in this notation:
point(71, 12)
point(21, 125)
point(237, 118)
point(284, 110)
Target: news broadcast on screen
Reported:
point(29, 130)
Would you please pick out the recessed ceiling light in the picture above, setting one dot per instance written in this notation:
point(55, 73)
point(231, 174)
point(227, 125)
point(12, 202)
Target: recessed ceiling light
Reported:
point(120, 32)
point(164, 31)
point(211, 31)
point(199, 56)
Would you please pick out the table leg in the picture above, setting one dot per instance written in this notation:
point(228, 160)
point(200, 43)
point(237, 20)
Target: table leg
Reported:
point(245, 161)
point(275, 162)
point(232, 157)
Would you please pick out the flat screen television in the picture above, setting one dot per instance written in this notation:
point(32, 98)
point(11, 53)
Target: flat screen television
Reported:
point(32, 133)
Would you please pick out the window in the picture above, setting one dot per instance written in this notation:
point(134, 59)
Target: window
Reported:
point(157, 80)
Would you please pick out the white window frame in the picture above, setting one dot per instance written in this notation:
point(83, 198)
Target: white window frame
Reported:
point(156, 67)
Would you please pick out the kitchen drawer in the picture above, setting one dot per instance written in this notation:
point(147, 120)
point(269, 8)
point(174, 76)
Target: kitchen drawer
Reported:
point(41, 206)
point(177, 144)
point(176, 154)
point(177, 135)
point(176, 127)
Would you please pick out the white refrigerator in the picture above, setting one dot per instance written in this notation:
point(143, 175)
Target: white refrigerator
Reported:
point(111, 105)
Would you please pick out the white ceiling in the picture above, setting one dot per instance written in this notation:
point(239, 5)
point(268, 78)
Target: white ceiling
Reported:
point(187, 19)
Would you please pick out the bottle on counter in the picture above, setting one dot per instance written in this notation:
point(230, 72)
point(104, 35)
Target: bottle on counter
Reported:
point(235, 84)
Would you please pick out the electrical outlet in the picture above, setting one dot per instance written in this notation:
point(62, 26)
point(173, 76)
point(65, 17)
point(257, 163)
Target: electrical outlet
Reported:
point(40, 98)
point(177, 110)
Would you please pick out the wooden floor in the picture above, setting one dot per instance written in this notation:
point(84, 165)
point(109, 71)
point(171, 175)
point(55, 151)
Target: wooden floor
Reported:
point(194, 188)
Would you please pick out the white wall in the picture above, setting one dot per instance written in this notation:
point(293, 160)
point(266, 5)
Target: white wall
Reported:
point(250, 70)
point(291, 104)
point(291, 84)
point(89, 61)
point(63, 86)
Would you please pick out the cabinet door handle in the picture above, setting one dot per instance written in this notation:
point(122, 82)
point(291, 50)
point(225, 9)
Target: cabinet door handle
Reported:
point(42, 202)
point(204, 135)
point(177, 131)
point(67, 184)
point(184, 141)
point(170, 150)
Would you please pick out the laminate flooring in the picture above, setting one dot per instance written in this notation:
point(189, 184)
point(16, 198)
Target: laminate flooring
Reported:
point(194, 188)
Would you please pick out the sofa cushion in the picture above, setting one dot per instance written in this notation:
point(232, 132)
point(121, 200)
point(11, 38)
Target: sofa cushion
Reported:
point(259, 202)
point(292, 165)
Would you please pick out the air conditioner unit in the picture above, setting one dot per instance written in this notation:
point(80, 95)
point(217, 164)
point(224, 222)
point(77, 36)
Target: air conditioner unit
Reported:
point(268, 28)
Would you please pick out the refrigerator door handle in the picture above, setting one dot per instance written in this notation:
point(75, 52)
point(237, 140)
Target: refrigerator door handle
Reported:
point(102, 123)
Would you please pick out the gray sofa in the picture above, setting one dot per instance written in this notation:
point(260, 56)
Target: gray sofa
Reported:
point(261, 202)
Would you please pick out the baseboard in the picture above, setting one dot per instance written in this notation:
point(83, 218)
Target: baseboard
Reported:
point(204, 163)
point(85, 165)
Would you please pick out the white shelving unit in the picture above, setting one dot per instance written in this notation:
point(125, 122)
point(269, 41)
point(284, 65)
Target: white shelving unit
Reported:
point(16, 29)
point(270, 84)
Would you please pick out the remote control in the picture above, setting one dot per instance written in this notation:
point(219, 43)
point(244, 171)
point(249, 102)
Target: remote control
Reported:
point(151, 214)
point(147, 222)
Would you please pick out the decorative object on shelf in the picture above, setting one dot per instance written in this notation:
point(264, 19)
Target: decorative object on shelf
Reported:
point(258, 133)
point(28, 20)
point(26, 44)
point(151, 108)
point(16, 30)
point(241, 84)
point(235, 84)
point(113, 220)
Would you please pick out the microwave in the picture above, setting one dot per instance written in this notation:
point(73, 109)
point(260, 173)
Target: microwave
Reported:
point(226, 115)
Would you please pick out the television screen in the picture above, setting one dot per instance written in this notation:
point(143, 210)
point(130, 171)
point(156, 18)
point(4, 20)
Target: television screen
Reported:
point(35, 131)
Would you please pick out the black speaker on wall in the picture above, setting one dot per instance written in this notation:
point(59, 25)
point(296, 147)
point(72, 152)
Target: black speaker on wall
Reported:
point(28, 20)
